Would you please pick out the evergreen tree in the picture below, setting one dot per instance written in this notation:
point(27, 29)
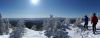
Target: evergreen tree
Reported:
point(50, 25)
point(78, 21)
point(2, 25)
point(33, 27)
point(53, 27)
point(16, 33)
point(20, 24)
point(61, 31)
point(66, 24)
point(19, 30)
point(8, 25)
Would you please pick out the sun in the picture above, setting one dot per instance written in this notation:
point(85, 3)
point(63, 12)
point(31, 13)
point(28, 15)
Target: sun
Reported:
point(35, 2)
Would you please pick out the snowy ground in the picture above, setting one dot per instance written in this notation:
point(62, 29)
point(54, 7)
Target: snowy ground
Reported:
point(34, 34)
point(75, 32)
point(78, 33)
point(29, 34)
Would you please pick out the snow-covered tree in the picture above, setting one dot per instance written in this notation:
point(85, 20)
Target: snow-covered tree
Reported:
point(21, 24)
point(18, 31)
point(53, 27)
point(66, 21)
point(61, 29)
point(45, 25)
point(66, 24)
point(7, 25)
point(78, 21)
point(61, 34)
point(2, 25)
point(33, 27)
point(50, 26)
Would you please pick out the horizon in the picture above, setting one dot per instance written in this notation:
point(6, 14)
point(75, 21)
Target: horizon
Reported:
point(44, 8)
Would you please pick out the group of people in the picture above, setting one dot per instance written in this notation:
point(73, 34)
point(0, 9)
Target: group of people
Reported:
point(94, 21)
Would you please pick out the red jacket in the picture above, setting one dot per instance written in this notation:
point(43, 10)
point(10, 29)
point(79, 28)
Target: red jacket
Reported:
point(94, 19)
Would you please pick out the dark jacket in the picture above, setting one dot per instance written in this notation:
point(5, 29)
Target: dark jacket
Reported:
point(86, 19)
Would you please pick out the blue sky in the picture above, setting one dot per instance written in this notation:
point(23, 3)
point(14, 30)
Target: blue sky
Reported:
point(59, 8)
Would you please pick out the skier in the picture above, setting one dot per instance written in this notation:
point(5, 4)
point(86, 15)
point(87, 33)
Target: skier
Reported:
point(86, 22)
point(94, 21)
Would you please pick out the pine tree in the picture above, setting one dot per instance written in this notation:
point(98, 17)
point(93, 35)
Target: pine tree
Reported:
point(19, 30)
point(66, 24)
point(33, 27)
point(2, 25)
point(50, 26)
point(21, 24)
point(8, 25)
point(66, 21)
point(45, 25)
point(16, 33)
point(53, 25)
point(78, 21)
point(61, 29)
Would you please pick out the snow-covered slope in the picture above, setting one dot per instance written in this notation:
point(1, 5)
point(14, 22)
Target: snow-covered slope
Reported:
point(29, 34)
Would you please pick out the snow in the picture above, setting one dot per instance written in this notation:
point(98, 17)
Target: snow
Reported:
point(34, 34)
point(78, 33)
point(4, 36)
point(29, 34)
point(75, 32)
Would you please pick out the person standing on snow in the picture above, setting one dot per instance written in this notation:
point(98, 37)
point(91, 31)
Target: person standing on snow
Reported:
point(94, 21)
point(86, 19)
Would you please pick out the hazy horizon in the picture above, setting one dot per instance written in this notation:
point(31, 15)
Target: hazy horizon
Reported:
point(44, 8)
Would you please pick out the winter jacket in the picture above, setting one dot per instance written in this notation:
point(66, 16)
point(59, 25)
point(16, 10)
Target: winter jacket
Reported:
point(86, 19)
point(94, 19)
